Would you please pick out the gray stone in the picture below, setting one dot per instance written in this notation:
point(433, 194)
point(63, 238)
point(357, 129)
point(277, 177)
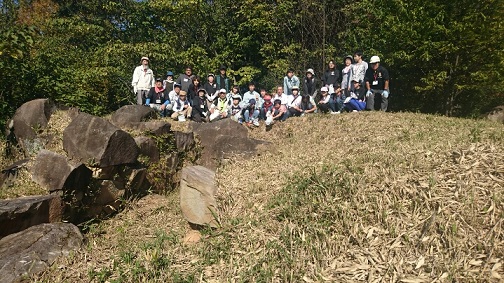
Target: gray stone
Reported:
point(148, 148)
point(21, 213)
point(95, 141)
point(184, 141)
point(157, 128)
point(109, 193)
point(497, 114)
point(197, 196)
point(129, 114)
point(32, 117)
point(35, 249)
point(138, 184)
point(223, 139)
point(54, 172)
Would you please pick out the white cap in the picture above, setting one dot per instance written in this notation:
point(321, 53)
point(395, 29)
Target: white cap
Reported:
point(374, 59)
point(223, 90)
point(144, 58)
point(324, 88)
point(310, 71)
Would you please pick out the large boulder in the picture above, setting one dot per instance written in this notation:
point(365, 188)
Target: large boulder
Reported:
point(497, 114)
point(184, 141)
point(223, 139)
point(94, 140)
point(197, 196)
point(129, 114)
point(30, 119)
point(35, 249)
point(21, 213)
point(54, 172)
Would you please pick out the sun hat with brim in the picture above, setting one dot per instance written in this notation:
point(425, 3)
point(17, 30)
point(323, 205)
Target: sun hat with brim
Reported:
point(144, 58)
point(310, 71)
point(236, 96)
point(182, 93)
point(222, 90)
point(324, 89)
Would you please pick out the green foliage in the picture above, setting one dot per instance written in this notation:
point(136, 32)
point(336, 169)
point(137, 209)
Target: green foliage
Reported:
point(444, 57)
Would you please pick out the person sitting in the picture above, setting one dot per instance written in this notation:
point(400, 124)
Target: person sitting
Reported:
point(181, 107)
point(219, 107)
point(325, 103)
point(307, 105)
point(235, 110)
point(266, 107)
point(158, 98)
point(251, 114)
point(173, 95)
point(251, 93)
point(279, 111)
point(355, 102)
point(200, 112)
point(294, 105)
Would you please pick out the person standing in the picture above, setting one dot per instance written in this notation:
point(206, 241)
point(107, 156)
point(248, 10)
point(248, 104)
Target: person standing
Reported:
point(359, 68)
point(290, 81)
point(185, 79)
point(143, 80)
point(377, 84)
point(222, 80)
point(331, 78)
point(310, 84)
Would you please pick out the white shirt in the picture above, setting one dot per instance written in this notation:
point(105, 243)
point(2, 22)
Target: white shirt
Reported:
point(143, 79)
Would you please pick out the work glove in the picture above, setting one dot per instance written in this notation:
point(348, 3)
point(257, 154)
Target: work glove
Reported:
point(385, 94)
point(368, 93)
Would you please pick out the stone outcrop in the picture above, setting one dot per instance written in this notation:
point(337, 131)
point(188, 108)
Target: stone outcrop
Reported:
point(54, 172)
point(223, 139)
point(497, 114)
point(95, 141)
point(21, 213)
point(130, 114)
point(197, 196)
point(30, 119)
point(33, 250)
point(148, 148)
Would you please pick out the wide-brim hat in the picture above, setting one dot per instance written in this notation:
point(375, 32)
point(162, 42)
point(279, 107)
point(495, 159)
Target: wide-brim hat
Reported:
point(144, 58)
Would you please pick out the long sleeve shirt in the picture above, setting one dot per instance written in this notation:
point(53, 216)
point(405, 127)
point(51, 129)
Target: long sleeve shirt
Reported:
point(143, 79)
point(289, 83)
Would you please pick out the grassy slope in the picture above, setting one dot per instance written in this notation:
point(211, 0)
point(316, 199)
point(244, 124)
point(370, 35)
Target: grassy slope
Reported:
point(356, 197)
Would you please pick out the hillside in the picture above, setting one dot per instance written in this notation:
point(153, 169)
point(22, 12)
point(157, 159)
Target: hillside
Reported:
point(338, 198)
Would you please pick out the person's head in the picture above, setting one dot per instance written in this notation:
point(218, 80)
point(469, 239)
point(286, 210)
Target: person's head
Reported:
point(277, 103)
point(331, 64)
point(357, 56)
point(324, 91)
point(356, 84)
point(374, 62)
point(348, 60)
point(262, 92)
point(201, 92)
point(210, 78)
point(222, 93)
point(295, 90)
point(235, 89)
point(169, 75)
point(222, 70)
point(182, 95)
point(290, 73)
point(196, 81)
point(310, 73)
point(144, 61)
point(251, 103)
point(305, 98)
point(251, 86)
point(279, 90)
point(267, 99)
point(236, 99)
point(188, 70)
point(176, 88)
point(159, 82)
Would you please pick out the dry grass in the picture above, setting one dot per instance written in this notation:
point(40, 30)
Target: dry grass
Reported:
point(373, 197)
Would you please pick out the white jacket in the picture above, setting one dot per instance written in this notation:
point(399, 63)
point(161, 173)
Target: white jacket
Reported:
point(142, 79)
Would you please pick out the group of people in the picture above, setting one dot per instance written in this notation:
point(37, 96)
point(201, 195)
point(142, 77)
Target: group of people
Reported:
point(353, 88)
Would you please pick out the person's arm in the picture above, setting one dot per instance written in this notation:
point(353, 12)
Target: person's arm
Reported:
point(285, 85)
point(314, 107)
point(134, 81)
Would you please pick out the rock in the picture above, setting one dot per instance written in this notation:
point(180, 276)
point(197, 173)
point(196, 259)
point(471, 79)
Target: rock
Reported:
point(128, 114)
point(94, 140)
point(197, 196)
point(157, 128)
point(138, 184)
point(184, 141)
point(497, 114)
point(33, 250)
point(192, 237)
point(31, 117)
point(21, 213)
point(105, 173)
point(10, 173)
point(148, 148)
point(110, 192)
point(54, 172)
point(223, 139)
